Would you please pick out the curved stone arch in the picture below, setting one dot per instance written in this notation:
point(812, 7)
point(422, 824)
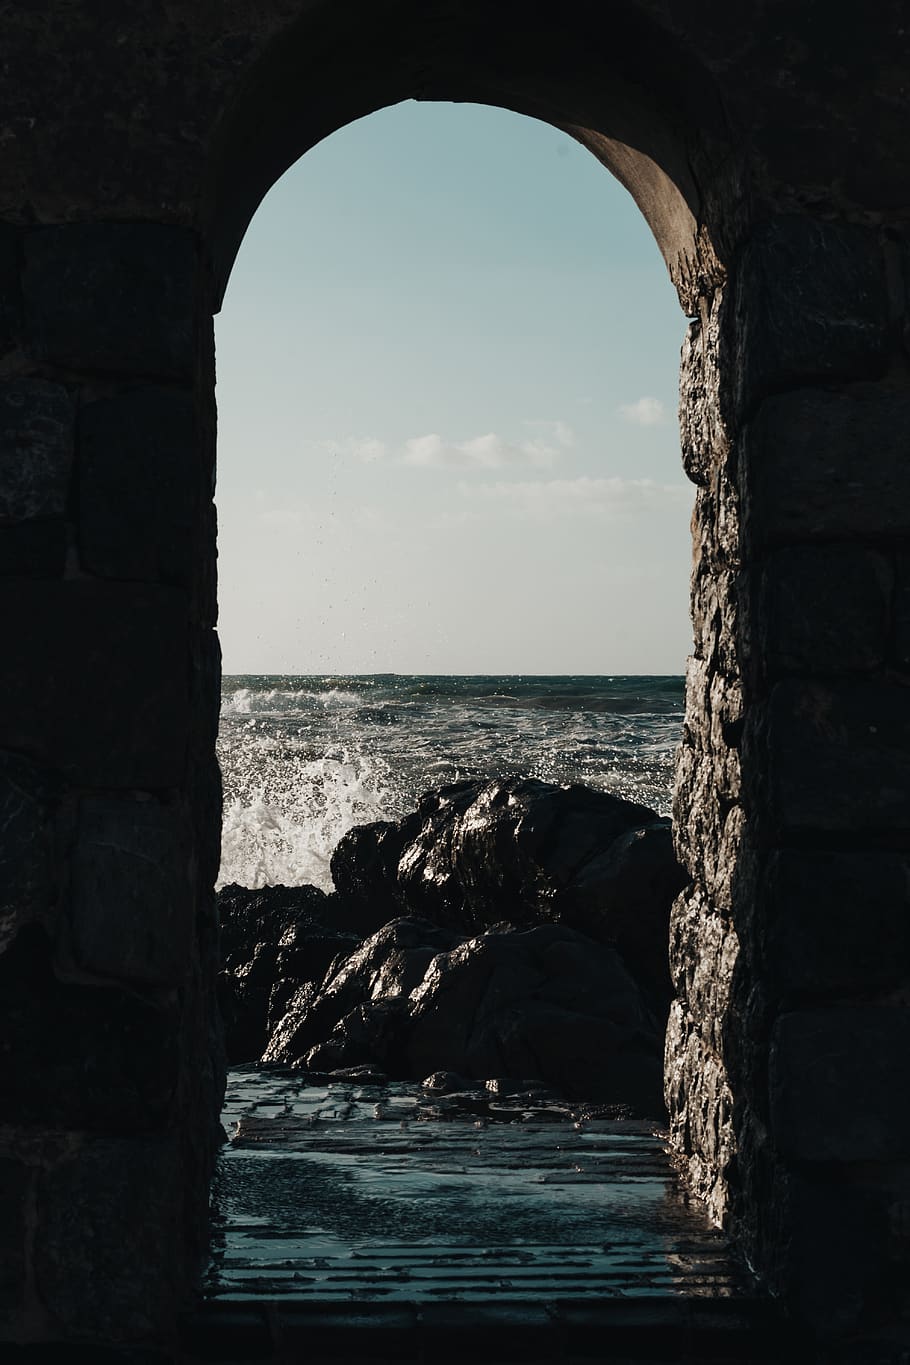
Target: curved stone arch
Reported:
point(641, 105)
point(133, 161)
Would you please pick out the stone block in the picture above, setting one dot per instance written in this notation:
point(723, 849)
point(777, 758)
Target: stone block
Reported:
point(835, 1261)
point(26, 847)
point(37, 421)
point(714, 601)
point(10, 294)
point(703, 436)
point(137, 485)
point(33, 549)
point(112, 297)
point(823, 609)
point(715, 524)
point(819, 465)
point(704, 950)
point(131, 906)
point(106, 1240)
point(838, 1084)
point(14, 1189)
point(700, 1104)
point(831, 756)
point(836, 921)
point(81, 1057)
point(811, 305)
point(97, 680)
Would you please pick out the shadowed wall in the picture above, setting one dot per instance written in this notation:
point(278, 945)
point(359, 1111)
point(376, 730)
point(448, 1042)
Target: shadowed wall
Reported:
point(766, 147)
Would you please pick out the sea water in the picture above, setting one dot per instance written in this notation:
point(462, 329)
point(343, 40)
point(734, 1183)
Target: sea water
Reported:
point(304, 759)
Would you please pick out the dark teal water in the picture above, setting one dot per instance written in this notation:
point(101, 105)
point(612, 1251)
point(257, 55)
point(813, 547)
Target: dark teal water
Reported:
point(305, 758)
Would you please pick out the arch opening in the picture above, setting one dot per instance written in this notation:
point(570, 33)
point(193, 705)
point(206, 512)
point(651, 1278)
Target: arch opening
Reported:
point(481, 705)
point(640, 103)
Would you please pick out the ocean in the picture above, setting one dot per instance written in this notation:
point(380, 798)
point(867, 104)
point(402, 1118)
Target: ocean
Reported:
point(303, 759)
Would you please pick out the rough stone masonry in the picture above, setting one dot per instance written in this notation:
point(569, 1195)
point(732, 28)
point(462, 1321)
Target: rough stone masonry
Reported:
point(766, 146)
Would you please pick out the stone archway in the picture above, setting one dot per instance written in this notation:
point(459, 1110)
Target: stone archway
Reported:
point(779, 203)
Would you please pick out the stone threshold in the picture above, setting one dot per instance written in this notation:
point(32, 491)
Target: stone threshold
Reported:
point(655, 1330)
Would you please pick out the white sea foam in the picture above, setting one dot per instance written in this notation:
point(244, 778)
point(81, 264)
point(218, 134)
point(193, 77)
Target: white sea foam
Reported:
point(305, 759)
point(284, 813)
point(270, 701)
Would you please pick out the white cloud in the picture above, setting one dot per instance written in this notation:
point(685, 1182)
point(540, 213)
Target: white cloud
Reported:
point(549, 499)
point(560, 432)
point(644, 412)
point(489, 451)
point(542, 447)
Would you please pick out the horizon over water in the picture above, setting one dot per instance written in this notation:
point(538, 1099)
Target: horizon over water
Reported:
point(306, 757)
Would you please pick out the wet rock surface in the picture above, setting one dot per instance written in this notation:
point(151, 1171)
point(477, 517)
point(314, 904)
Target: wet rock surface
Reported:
point(339, 1189)
point(357, 1012)
point(543, 1002)
point(511, 928)
point(273, 941)
point(477, 853)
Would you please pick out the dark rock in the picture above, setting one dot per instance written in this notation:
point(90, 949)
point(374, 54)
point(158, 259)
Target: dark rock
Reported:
point(356, 998)
point(113, 297)
point(512, 1085)
point(274, 940)
point(543, 1002)
point(445, 1082)
point(371, 1035)
point(252, 915)
point(478, 853)
point(359, 1075)
point(498, 854)
point(137, 493)
point(365, 871)
point(279, 1047)
point(37, 421)
point(622, 898)
point(307, 950)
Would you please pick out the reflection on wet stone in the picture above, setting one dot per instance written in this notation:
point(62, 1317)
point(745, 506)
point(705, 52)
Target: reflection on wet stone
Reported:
point(356, 1188)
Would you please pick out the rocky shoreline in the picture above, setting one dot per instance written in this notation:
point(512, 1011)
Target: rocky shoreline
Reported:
point(509, 934)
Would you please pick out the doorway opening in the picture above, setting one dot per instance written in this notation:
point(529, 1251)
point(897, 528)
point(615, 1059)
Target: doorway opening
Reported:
point(474, 428)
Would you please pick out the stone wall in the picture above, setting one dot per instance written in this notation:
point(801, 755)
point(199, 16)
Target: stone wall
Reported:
point(788, 1039)
point(109, 791)
point(766, 146)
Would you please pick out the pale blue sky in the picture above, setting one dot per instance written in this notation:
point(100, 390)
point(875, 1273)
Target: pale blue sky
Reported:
point(447, 369)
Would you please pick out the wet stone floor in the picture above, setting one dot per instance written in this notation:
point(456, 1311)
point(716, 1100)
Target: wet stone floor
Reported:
point(350, 1190)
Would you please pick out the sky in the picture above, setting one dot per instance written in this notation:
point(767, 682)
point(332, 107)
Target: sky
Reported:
point(447, 386)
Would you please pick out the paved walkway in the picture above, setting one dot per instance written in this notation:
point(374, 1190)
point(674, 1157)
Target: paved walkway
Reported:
point(359, 1221)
